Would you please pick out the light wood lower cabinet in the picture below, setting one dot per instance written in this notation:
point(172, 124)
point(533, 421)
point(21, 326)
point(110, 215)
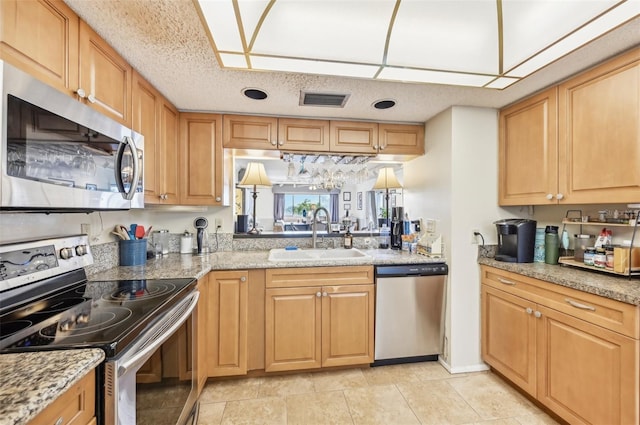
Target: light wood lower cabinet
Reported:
point(318, 317)
point(576, 353)
point(226, 333)
point(76, 406)
point(201, 324)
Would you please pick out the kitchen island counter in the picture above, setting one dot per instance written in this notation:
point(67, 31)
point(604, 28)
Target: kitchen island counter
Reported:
point(618, 288)
point(185, 265)
point(29, 382)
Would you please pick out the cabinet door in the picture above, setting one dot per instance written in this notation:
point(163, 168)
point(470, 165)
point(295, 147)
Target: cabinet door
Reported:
point(41, 38)
point(293, 328)
point(201, 159)
point(347, 325)
point(399, 139)
point(169, 164)
point(599, 132)
point(76, 406)
point(104, 76)
point(586, 374)
point(303, 135)
point(353, 137)
point(202, 327)
point(250, 132)
point(509, 337)
point(528, 157)
point(227, 325)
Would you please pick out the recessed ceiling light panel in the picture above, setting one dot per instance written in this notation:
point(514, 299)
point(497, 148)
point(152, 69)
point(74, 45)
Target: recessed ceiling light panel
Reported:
point(384, 104)
point(255, 94)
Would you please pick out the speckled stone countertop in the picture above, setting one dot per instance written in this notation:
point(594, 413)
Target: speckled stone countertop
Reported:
point(29, 382)
point(618, 288)
point(184, 265)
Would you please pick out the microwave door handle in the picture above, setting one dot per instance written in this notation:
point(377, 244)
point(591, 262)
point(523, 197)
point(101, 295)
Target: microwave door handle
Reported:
point(127, 142)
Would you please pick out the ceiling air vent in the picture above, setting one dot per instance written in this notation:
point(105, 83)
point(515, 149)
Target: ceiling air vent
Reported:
point(331, 100)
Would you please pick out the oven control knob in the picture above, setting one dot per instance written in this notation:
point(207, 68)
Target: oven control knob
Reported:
point(66, 325)
point(81, 250)
point(82, 319)
point(66, 253)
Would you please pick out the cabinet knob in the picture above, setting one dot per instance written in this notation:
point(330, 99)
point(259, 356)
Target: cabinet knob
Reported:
point(280, 143)
point(59, 421)
point(381, 148)
point(243, 279)
point(91, 98)
point(274, 142)
point(324, 294)
point(375, 147)
point(559, 196)
point(218, 199)
point(529, 310)
point(537, 314)
point(81, 93)
point(550, 196)
point(318, 294)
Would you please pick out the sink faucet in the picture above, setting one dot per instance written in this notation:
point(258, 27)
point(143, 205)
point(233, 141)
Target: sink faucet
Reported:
point(313, 224)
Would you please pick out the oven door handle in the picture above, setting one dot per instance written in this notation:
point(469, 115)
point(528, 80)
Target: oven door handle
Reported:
point(159, 333)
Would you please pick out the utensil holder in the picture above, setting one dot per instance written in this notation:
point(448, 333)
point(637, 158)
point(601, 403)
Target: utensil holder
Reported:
point(133, 252)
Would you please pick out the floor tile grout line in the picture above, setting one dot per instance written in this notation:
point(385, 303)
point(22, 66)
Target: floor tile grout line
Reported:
point(408, 404)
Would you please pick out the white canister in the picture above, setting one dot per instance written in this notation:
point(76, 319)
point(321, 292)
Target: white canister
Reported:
point(186, 243)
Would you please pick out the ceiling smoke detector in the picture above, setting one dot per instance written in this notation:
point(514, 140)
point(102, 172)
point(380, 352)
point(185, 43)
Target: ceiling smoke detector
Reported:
point(331, 100)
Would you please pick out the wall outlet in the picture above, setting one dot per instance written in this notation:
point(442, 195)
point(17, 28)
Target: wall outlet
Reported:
point(85, 228)
point(474, 237)
point(217, 223)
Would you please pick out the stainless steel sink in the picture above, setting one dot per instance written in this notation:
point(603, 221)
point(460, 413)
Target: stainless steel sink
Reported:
point(281, 254)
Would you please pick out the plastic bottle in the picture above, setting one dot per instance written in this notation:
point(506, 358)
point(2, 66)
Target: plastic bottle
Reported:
point(406, 225)
point(385, 237)
point(551, 243)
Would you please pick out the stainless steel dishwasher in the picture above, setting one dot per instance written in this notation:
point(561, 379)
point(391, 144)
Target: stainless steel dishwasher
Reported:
point(409, 312)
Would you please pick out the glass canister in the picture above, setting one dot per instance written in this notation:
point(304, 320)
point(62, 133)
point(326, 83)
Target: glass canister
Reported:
point(538, 249)
point(161, 237)
point(580, 244)
point(589, 254)
point(551, 245)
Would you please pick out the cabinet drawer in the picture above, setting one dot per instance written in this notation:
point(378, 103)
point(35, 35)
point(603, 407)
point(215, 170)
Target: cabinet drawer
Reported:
point(319, 276)
point(610, 314)
point(76, 406)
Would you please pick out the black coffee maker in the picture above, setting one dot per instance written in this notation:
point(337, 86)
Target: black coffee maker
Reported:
point(397, 214)
point(516, 240)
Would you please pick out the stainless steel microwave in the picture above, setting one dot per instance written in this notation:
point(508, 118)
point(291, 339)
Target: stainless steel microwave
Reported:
point(58, 154)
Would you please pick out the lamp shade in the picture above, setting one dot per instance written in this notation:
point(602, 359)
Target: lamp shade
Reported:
point(255, 175)
point(387, 179)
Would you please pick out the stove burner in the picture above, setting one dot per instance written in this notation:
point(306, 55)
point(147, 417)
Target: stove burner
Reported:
point(61, 305)
point(9, 328)
point(140, 292)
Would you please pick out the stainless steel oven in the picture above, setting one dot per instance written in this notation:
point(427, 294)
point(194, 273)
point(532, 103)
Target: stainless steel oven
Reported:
point(145, 327)
point(58, 154)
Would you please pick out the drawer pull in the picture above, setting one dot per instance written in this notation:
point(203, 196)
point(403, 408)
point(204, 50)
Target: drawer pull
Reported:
point(579, 305)
point(318, 294)
point(537, 314)
point(60, 421)
point(529, 310)
point(506, 281)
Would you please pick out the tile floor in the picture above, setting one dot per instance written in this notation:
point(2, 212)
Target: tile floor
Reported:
point(418, 393)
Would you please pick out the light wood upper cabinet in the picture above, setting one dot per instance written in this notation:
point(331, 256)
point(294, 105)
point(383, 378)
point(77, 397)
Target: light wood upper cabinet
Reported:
point(528, 151)
point(226, 334)
point(303, 135)
point(76, 406)
point(250, 132)
point(353, 137)
point(201, 160)
point(576, 143)
point(400, 139)
point(157, 120)
point(599, 133)
point(574, 352)
point(318, 317)
point(104, 76)
point(41, 38)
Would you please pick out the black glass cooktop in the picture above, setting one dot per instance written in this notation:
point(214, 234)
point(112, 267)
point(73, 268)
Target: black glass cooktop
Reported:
point(101, 314)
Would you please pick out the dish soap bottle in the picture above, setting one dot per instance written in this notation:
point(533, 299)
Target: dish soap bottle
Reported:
point(348, 240)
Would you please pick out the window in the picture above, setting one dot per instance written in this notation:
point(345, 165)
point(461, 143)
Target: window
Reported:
point(298, 206)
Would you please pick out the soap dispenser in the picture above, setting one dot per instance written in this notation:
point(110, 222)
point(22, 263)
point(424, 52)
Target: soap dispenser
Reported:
point(348, 239)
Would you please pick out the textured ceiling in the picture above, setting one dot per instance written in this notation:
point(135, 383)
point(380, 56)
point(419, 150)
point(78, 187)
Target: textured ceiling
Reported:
point(166, 42)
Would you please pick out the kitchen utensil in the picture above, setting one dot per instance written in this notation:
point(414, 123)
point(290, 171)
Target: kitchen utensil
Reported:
point(119, 235)
point(125, 232)
point(140, 232)
point(132, 230)
point(121, 231)
point(148, 232)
